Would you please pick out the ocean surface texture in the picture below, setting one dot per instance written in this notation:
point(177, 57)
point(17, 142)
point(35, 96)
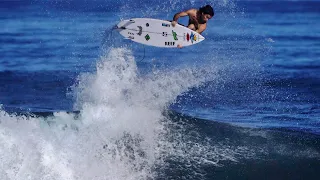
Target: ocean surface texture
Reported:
point(79, 102)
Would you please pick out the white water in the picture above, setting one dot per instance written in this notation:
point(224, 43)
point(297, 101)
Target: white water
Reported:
point(120, 132)
point(117, 134)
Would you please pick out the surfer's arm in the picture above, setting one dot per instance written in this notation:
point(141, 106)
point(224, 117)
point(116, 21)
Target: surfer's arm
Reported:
point(182, 14)
point(178, 15)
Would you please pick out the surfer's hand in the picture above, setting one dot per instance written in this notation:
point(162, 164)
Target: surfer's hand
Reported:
point(179, 46)
point(173, 23)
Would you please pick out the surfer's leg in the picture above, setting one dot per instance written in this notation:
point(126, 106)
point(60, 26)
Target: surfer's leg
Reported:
point(191, 26)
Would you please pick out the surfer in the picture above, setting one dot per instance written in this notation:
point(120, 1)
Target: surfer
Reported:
point(197, 18)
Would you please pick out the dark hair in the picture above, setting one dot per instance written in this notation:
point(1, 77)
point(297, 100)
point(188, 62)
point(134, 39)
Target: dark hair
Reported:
point(207, 10)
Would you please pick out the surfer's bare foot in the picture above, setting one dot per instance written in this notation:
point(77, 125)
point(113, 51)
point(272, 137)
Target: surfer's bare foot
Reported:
point(179, 46)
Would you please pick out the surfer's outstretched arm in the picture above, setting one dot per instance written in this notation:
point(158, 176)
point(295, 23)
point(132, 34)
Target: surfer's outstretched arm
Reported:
point(181, 14)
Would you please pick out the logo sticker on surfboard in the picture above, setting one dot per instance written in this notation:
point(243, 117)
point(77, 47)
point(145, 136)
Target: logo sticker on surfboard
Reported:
point(174, 34)
point(147, 37)
point(165, 25)
point(188, 37)
point(192, 37)
point(165, 34)
point(140, 30)
point(170, 43)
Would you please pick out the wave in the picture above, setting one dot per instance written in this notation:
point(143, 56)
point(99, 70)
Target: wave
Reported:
point(122, 129)
point(117, 134)
point(61, 145)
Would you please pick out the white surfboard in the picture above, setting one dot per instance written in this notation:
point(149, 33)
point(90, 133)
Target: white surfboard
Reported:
point(159, 33)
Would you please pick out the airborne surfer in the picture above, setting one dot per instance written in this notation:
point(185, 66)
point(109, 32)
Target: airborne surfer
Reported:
point(197, 18)
point(156, 32)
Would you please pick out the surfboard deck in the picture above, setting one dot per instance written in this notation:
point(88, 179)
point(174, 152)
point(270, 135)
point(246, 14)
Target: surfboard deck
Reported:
point(158, 33)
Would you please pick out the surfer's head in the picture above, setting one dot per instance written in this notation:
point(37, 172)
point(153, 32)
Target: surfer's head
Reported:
point(206, 13)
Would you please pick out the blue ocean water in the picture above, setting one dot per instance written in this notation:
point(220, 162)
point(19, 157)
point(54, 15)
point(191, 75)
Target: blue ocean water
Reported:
point(79, 102)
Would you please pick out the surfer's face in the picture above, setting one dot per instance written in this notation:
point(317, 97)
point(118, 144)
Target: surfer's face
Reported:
point(206, 17)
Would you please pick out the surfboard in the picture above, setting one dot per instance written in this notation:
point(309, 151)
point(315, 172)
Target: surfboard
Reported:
point(158, 33)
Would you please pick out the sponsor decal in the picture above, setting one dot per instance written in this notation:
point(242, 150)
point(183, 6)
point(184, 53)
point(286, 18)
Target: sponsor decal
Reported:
point(147, 24)
point(131, 33)
point(188, 37)
point(165, 25)
point(192, 37)
point(131, 37)
point(165, 34)
point(169, 43)
point(174, 34)
point(140, 30)
point(147, 37)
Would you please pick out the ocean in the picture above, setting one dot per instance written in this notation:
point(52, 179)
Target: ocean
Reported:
point(79, 102)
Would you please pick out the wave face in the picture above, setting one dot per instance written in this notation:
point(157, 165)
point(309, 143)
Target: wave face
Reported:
point(117, 134)
point(124, 130)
